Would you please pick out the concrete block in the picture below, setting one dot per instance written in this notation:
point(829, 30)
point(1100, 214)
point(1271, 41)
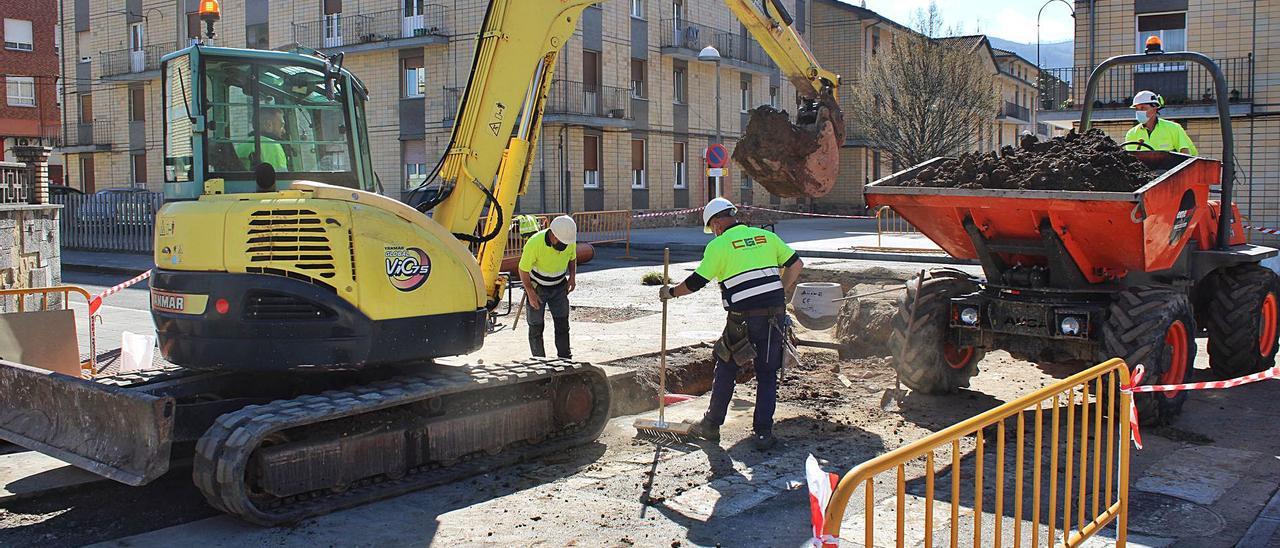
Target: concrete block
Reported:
point(1198, 474)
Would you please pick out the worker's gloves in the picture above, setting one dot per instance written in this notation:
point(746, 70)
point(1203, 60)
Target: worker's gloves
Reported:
point(664, 293)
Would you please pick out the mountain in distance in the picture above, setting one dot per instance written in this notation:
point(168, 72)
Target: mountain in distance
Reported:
point(1052, 55)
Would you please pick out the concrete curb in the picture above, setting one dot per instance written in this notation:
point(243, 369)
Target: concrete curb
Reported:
point(806, 253)
point(103, 269)
point(1264, 528)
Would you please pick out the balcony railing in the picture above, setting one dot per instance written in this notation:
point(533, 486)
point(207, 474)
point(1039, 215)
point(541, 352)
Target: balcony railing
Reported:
point(349, 29)
point(1179, 83)
point(678, 33)
point(130, 61)
point(1014, 110)
point(450, 106)
point(92, 133)
point(573, 98)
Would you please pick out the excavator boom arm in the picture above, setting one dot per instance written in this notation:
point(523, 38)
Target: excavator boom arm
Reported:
point(487, 164)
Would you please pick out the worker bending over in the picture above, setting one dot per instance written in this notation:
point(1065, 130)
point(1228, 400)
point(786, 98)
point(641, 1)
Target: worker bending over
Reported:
point(755, 268)
point(548, 272)
point(1159, 133)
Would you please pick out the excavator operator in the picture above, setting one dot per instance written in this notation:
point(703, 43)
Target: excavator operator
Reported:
point(1159, 133)
point(270, 129)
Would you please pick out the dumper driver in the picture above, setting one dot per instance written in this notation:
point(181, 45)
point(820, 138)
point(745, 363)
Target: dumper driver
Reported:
point(548, 272)
point(755, 268)
point(1154, 131)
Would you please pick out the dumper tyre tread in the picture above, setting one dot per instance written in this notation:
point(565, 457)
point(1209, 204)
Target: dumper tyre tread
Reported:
point(1141, 322)
point(1236, 303)
point(920, 357)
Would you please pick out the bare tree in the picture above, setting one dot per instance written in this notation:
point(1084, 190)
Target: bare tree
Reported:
point(922, 98)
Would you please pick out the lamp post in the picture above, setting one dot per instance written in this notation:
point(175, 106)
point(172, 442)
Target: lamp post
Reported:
point(1040, 79)
point(712, 55)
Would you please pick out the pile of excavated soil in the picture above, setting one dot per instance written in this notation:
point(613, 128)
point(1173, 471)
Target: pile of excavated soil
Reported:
point(1077, 162)
point(791, 160)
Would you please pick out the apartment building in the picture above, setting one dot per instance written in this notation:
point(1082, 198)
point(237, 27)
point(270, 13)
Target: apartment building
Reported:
point(629, 114)
point(1242, 38)
point(846, 38)
point(29, 113)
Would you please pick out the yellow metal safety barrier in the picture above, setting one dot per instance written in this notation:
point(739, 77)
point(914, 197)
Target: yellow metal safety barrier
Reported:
point(889, 222)
point(88, 366)
point(594, 227)
point(1093, 484)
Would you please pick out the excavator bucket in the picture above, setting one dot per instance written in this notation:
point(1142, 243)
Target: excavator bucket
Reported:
point(793, 160)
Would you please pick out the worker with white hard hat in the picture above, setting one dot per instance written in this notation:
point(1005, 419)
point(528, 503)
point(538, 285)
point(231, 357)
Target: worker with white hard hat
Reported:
point(548, 272)
point(1154, 131)
point(755, 269)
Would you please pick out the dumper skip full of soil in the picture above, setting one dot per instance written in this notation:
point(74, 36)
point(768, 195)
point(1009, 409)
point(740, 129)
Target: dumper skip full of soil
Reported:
point(793, 160)
point(1088, 161)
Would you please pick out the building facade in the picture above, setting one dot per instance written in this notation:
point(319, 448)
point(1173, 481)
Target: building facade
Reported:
point(1244, 41)
point(630, 111)
point(29, 113)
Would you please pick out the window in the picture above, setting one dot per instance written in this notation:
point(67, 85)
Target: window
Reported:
point(637, 164)
point(875, 165)
point(745, 88)
point(591, 161)
point(136, 37)
point(590, 81)
point(681, 174)
point(681, 86)
point(177, 120)
point(137, 104)
point(638, 89)
point(332, 23)
point(414, 157)
point(57, 37)
point(637, 8)
point(193, 26)
point(414, 76)
point(86, 174)
point(773, 96)
point(256, 27)
point(17, 35)
point(21, 91)
point(86, 108)
point(138, 169)
point(1171, 28)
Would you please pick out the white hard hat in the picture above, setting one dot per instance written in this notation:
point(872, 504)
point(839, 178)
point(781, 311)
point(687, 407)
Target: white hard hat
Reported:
point(1145, 97)
point(713, 207)
point(565, 229)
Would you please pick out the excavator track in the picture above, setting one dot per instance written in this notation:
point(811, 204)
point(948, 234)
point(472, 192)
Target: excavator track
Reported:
point(291, 459)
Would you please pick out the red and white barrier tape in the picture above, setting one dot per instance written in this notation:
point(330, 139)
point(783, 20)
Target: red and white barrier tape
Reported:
point(1264, 230)
point(803, 214)
point(96, 301)
point(667, 213)
point(1133, 387)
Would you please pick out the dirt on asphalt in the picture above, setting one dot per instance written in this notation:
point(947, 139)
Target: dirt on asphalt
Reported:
point(1091, 161)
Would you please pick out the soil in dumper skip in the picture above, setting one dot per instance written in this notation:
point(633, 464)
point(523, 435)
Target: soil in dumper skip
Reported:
point(1076, 162)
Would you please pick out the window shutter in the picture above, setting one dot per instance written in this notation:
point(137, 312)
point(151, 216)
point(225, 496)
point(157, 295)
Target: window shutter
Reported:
point(637, 155)
point(332, 6)
point(591, 153)
point(17, 31)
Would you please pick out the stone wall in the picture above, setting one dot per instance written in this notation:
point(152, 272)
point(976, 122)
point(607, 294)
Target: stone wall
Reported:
point(29, 249)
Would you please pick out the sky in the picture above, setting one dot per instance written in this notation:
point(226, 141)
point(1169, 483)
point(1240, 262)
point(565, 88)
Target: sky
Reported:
point(1009, 19)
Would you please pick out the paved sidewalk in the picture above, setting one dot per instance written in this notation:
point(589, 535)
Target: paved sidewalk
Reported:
point(106, 262)
point(820, 238)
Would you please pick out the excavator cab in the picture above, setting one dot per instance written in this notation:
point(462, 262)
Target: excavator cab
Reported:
point(227, 111)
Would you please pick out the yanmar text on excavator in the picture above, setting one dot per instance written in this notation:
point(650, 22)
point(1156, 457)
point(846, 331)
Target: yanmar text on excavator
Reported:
point(302, 310)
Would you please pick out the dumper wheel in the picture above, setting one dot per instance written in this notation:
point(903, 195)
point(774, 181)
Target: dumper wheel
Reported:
point(927, 358)
point(1153, 327)
point(1240, 313)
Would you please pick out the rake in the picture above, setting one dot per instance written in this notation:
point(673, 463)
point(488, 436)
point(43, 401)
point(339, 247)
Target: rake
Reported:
point(660, 430)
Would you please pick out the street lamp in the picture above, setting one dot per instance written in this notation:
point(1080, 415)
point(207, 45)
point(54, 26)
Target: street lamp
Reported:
point(712, 55)
point(1039, 77)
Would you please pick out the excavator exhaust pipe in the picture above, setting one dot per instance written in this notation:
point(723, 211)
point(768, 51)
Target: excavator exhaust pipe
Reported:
point(794, 160)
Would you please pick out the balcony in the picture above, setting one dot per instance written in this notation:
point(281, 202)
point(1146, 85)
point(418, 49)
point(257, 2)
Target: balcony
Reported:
point(684, 40)
point(88, 137)
point(1187, 88)
point(131, 64)
point(1015, 113)
point(591, 105)
point(356, 32)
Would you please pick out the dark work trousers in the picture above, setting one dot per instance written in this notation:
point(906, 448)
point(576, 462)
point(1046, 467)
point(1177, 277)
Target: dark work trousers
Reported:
point(766, 339)
point(556, 298)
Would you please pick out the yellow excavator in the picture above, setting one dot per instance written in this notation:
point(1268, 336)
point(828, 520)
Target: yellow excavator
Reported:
point(302, 310)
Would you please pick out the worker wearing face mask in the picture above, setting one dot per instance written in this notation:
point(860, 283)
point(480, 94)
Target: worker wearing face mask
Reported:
point(548, 271)
point(1154, 131)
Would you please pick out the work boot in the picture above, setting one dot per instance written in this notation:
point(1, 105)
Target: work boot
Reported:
point(705, 429)
point(764, 442)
